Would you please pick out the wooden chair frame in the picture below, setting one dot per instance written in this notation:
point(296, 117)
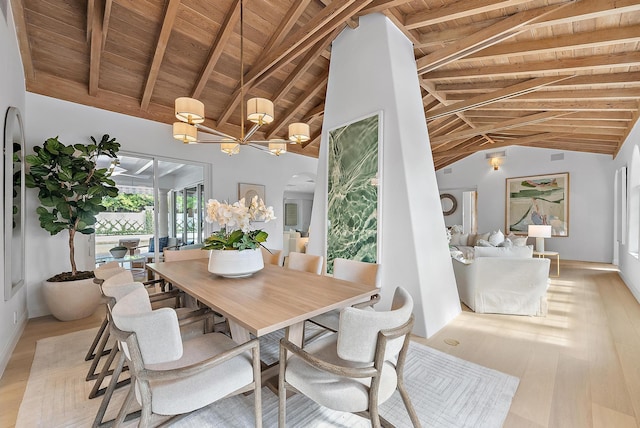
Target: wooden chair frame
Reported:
point(142, 376)
point(373, 372)
point(203, 314)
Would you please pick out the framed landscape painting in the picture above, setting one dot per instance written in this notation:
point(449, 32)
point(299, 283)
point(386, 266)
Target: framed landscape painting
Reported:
point(538, 199)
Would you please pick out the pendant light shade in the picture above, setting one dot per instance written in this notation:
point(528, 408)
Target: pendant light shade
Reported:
point(185, 132)
point(299, 132)
point(230, 148)
point(260, 111)
point(277, 148)
point(189, 110)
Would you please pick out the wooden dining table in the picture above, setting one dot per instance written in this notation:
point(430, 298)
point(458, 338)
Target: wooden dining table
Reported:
point(270, 299)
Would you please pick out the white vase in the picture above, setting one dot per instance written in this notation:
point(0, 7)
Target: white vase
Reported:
point(235, 264)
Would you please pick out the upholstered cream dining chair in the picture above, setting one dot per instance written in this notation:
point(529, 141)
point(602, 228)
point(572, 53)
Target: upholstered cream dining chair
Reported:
point(272, 257)
point(356, 369)
point(114, 289)
point(101, 273)
point(173, 377)
point(354, 271)
point(304, 262)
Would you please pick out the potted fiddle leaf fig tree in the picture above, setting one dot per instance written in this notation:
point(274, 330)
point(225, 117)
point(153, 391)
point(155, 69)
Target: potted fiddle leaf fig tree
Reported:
point(70, 189)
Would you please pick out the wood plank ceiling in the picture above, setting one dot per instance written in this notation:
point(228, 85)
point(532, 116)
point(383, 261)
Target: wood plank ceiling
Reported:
point(556, 74)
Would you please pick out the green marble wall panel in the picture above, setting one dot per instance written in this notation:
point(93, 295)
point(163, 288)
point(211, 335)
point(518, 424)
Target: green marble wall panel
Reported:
point(352, 206)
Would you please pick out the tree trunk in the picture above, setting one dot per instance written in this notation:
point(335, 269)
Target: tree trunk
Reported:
point(72, 258)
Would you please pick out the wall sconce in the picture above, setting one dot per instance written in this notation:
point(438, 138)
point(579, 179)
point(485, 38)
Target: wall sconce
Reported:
point(495, 159)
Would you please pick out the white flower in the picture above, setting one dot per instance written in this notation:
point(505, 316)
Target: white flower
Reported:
point(238, 215)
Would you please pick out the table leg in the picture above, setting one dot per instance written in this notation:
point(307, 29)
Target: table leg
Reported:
point(558, 263)
point(295, 333)
point(238, 333)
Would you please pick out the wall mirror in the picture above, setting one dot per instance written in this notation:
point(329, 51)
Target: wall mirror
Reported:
point(14, 200)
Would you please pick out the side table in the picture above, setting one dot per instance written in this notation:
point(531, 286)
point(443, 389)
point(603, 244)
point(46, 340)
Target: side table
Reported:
point(549, 254)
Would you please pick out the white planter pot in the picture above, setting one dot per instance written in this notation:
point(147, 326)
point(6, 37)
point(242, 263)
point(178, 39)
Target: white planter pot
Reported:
point(235, 264)
point(72, 300)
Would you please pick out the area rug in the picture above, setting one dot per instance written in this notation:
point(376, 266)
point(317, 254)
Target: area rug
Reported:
point(446, 392)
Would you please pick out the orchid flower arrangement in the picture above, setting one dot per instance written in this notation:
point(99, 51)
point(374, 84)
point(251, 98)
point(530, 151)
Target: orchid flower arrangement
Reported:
point(235, 224)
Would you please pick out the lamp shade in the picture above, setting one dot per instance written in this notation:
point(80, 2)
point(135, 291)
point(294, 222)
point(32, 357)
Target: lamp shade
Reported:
point(299, 132)
point(189, 110)
point(277, 147)
point(230, 148)
point(539, 231)
point(185, 132)
point(260, 111)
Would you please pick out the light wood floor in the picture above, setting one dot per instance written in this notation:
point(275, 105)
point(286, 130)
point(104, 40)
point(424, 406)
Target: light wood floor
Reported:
point(578, 367)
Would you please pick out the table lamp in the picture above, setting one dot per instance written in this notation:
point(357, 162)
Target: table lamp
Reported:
point(539, 231)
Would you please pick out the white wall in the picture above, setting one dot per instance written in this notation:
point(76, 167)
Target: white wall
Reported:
point(629, 265)
point(12, 94)
point(590, 195)
point(373, 70)
point(73, 123)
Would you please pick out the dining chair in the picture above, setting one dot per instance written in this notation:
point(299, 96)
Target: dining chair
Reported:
point(115, 289)
point(356, 369)
point(304, 262)
point(171, 376)
point(101, 273)
point(273, 257)
point(354, 271)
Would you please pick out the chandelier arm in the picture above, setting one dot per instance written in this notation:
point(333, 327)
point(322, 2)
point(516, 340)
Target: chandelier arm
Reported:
point(215, 131)
point(251, 131)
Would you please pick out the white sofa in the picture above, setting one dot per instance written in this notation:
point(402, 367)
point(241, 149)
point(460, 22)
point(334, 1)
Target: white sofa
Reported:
point(504, 285)
point(291, 241)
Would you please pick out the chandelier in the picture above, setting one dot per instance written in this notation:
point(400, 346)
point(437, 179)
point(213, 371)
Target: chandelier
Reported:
point(259, 111)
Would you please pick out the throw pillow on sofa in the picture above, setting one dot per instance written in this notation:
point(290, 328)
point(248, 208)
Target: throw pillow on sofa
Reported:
point(459, 239)
point(518, 241)
point(496, 237)
point(483, 243)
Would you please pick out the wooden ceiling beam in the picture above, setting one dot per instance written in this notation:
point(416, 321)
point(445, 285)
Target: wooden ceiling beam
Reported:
point(607, 79)
point(560, 65)
point(91, 9)
point(299, 104)
point(315, 113)
point(429, 87)
point(294, 45)
point(594, 94)
point(351, 22)
point(105, 21)
point(584, 129)
point(520, 141)
point(303, 66)
point(482, 39)
point(456, 10)
point(226, 30)
point(317, 28)
point(382, 5)
point(509, 124)
point(17, 7)
point(95, 55)
point(584, 105)
point(161, 46)
point(291, 18)
point(485, 99)
point(635, 119)
point(588, 9)
point(438, 38)
point(595, 39)
point(481, 114)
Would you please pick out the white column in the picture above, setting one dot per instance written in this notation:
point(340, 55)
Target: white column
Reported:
point(372, 70)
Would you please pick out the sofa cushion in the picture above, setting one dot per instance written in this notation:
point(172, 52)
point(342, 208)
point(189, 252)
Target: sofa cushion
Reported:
point(478, 237)
point(515, 252)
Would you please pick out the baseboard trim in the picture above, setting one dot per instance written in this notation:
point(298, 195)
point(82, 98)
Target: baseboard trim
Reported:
point(11, 345)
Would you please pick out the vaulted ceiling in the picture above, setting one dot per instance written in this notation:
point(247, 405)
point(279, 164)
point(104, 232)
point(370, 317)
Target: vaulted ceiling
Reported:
point(555, 74)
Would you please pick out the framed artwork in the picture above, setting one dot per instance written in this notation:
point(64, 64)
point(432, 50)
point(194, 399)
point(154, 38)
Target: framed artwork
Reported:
point(248, 191)
point(538, 199)
point(353, 192)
